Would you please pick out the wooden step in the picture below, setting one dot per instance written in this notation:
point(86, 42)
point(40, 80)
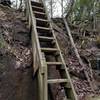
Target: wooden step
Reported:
point(42, 22)
point(52, 81)
point(54, 63)
point(38, 9)
point(44, 38)
point(45, 33)
point(43, 28)
point(35, 3)
point(40, 13)
point(49, 49)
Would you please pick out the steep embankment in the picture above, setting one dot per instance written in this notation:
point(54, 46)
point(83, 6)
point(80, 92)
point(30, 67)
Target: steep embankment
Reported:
point(16, 82)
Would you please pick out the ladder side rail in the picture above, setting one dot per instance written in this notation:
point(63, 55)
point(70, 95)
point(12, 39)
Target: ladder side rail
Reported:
point(42, 79)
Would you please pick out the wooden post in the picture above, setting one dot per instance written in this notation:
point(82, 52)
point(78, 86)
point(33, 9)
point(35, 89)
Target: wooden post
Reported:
point(44, 75)
point(40, 85)
point(42, 79)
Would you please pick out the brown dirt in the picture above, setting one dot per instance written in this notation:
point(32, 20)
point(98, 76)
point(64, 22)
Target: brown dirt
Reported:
point(16, 81)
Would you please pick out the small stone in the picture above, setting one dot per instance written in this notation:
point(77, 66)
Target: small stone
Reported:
point(18, 64)
point(28, 52)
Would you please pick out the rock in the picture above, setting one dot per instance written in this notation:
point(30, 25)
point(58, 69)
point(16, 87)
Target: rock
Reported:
point(18, 65)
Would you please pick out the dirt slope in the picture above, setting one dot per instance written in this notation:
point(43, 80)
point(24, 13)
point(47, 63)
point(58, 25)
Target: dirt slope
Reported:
point(16, 81)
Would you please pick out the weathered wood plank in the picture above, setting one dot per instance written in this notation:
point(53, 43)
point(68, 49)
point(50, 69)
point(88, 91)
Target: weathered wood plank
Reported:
point(51, 81)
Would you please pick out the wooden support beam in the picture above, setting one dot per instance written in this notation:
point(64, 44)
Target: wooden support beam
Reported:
point(44, 77)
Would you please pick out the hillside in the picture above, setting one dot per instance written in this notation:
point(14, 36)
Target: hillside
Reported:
point(16, 72)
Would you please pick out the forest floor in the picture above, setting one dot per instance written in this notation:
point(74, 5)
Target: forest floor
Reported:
point(16, 81)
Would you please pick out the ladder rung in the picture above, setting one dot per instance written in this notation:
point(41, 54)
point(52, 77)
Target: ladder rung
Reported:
point(46, 38)
point(38, 19)
point(40, 15)
point(43, 28)
point(49, 49)
point(54, 63)
point(36, 12)
point(37, 7)
point(57, 81)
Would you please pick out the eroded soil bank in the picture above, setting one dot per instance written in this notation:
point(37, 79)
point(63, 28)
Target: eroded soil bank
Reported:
point(16, 81)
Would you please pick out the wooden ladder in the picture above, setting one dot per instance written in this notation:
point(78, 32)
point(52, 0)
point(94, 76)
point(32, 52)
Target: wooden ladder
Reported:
point(48, 59)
